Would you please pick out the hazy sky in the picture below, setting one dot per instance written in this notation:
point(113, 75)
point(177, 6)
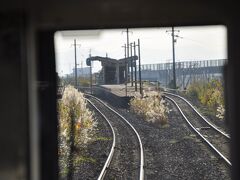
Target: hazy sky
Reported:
point(195, 43)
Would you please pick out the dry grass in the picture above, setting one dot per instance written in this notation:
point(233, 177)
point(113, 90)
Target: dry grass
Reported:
point(151, 107)
point(72, 108)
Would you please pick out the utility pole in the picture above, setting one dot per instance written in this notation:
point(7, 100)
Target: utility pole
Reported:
point(82, 76)
point(126, 73)
point(75, 58)
point(90, 71)
point(127, 51)
point(127, 69)
point(135, 66)
point(131, 65)
point(173, 49)
point(127, 31)
point(75, 53)
point(139, 69)
point(174, 70)
point(82, 67)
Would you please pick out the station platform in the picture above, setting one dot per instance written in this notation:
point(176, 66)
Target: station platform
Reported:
point(120, 89)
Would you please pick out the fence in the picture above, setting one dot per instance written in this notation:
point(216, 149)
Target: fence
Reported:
point(184, 64)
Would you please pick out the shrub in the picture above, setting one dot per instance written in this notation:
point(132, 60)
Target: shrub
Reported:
point(209, 94)
point(151, 107)
point(220, 112)
point(72, 108)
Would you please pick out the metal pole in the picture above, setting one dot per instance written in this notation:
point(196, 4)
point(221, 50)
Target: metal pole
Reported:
point(131, 65)
point(91, 77)
point(125, 55)
point(127, 61)
point(126, 69)
point(139, 68)
point(174, 70)
point(127, 51)
point(90, 72)
point(75, 63)
point(135, 65)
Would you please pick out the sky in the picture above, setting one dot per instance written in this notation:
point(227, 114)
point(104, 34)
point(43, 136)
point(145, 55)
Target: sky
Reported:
point(194, 43)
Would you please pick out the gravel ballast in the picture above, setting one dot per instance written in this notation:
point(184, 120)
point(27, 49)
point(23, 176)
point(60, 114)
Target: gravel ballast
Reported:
point(172, 151)
point(175, 151)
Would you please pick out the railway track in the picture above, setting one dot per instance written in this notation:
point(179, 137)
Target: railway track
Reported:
point(125, 160)
point(215, 138)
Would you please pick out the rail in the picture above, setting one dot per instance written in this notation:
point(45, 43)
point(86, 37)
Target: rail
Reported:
point(141, 172)
point(101, 176)
point(190, 124)
point(210, 124)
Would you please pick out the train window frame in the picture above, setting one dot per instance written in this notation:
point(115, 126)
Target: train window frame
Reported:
point(112, 15)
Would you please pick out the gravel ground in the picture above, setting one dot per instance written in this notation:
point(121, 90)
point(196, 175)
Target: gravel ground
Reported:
point(218, 140)
point(175, 152)
point(221, 123)
point(171, 152)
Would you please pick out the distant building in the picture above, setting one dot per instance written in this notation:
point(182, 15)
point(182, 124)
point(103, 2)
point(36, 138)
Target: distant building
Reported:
point(81, 72)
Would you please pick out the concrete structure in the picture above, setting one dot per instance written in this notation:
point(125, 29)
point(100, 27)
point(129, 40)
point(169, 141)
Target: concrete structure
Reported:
point(113, 70)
